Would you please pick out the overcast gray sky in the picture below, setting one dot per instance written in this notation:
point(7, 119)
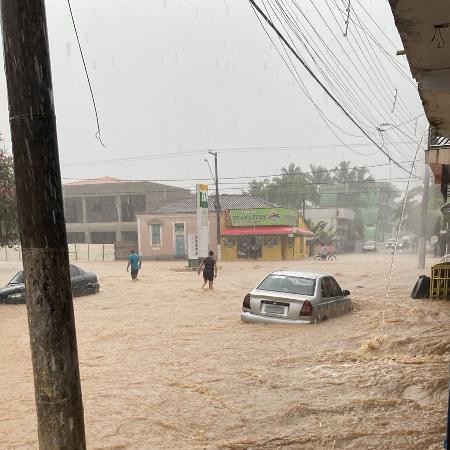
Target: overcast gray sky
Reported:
point(179, 76)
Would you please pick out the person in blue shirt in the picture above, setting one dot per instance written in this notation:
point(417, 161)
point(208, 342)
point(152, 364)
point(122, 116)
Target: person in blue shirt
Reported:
point(134, 260)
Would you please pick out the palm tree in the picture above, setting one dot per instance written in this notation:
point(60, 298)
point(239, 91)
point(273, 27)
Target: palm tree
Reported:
point(296, 188)
point(318, 177)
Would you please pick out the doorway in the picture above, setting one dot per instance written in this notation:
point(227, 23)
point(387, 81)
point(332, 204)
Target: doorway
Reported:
point(179, 246)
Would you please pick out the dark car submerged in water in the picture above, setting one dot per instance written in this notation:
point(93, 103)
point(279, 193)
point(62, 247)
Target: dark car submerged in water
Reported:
point(83, 283)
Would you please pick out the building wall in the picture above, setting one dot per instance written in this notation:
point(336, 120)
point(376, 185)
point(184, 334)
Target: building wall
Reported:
point(272, 253)
point(107, 212)
point(271, 250)
point(167, 249)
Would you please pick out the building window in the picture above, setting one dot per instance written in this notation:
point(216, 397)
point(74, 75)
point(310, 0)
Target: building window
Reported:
point(156, 234)
point(73, 210)
point(103, 237)
point(179, 228)
point(100, 209)
point(129, 236)
point(75, 237)
point(130, 205)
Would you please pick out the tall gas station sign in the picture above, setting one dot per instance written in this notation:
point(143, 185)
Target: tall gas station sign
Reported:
point(202, 220)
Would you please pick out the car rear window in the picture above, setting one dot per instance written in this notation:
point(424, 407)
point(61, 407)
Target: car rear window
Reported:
point(18, 279)
point(288, 284)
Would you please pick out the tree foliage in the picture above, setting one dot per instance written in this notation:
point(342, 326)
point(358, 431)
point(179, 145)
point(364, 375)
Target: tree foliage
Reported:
point(294, 188)
point(411, 215)
point(321, 232)
point(9, 230)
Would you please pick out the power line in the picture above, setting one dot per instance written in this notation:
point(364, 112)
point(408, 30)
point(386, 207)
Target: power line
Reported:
point(200, 152)
point(323, 86)
point(325, 61)
point(311, 172)
point(98, 134)
point(297, 79)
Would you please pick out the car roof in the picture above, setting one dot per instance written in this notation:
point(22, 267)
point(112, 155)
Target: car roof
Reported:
point(291, 273)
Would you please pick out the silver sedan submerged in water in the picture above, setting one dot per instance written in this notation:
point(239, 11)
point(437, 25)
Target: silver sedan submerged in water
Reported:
point(295, 297)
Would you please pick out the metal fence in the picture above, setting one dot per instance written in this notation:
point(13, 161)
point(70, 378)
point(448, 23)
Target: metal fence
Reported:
point(77, 252)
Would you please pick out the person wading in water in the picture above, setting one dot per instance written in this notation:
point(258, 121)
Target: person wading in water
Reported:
point(209, 267)
point(134, 260)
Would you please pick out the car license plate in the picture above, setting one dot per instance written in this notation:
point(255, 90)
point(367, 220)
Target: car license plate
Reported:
point(274, 309)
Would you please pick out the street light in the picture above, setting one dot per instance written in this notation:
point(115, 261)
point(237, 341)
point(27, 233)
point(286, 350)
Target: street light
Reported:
point(216, 203)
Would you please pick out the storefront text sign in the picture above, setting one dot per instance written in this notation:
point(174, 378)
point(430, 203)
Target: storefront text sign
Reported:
point(263, 217)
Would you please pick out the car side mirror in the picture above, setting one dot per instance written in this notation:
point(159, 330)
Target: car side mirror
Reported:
point(346, 293)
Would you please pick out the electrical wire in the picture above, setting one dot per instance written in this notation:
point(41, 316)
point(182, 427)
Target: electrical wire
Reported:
point(294, 25)
point(300, 83)
point(391, 268)
point(98, 133)
point(311, 172)
point(275, 29)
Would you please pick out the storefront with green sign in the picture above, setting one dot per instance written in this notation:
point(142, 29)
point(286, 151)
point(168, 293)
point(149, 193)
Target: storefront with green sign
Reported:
point(263, 234)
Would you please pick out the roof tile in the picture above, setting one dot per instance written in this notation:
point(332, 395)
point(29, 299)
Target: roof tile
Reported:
point(188, 205)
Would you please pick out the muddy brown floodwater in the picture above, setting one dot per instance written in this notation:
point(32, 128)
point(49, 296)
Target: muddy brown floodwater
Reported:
point(165, 367)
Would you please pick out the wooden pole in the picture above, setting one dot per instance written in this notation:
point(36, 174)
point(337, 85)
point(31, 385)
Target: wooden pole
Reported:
point(42, 229)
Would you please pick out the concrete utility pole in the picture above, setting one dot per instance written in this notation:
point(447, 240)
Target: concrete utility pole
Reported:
point(217, 207)
point(42, 229)
point(423, 218)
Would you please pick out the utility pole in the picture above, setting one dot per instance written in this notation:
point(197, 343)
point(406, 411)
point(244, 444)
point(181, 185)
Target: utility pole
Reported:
point(217, 206)
point(42, 229)
point(423, 218)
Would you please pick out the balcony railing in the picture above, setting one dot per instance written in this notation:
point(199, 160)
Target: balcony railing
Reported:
point(436, 140)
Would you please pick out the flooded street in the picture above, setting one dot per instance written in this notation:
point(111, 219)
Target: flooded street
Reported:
point(164, 366)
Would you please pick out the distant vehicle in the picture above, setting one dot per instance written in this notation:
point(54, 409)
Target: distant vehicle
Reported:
point(296, 298)
point(390, 243)
point(83, 283)
point(369, 247)
point(329, 257)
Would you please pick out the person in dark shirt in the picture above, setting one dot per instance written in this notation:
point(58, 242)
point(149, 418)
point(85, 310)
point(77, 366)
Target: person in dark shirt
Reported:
point(209, 267)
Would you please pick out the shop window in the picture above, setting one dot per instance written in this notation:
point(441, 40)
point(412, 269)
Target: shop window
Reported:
point(156, 234)
point(249, 247)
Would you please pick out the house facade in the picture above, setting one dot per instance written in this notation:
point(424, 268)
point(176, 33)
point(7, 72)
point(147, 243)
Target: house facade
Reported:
point(338, 221)
point(250, 229)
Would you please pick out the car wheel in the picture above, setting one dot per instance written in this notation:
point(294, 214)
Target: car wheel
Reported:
point(90, 290)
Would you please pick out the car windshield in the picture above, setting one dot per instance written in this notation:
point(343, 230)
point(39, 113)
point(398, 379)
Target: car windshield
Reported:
point(18, 279)
point(370, 242)
point(288, 284)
